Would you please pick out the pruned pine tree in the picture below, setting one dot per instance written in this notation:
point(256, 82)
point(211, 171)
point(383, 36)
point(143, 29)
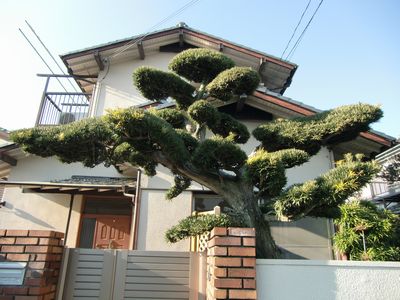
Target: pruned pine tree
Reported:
point(175, 138)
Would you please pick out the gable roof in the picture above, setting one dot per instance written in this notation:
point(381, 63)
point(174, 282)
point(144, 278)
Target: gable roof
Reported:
point(276, 74)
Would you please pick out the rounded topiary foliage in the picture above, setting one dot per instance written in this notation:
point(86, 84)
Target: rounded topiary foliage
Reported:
point(235, 81)
point(200, 65)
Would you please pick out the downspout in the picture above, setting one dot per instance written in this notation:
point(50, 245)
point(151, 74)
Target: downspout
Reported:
point(136, 202)
point(71, 203)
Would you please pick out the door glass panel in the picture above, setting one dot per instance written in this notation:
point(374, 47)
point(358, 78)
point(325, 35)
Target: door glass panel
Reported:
point(87, 233)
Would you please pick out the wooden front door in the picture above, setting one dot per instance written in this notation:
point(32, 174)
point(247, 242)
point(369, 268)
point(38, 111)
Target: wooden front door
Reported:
point(112, 232)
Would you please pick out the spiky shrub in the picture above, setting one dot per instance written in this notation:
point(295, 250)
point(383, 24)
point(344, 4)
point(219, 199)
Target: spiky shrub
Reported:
point(362, 222)
point(175, 138)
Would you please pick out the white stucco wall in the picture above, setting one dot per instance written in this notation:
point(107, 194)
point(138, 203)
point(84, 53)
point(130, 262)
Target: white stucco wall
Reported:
point(157, 215)
point(116, 89)
point(327, 280)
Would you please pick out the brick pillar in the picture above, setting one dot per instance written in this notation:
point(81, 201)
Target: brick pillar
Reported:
point(42, 251)
point(231, 264)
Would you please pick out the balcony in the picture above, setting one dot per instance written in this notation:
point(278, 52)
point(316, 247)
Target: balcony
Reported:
point(58, 108)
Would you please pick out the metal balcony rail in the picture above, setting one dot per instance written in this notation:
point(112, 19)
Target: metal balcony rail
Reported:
point(379, 188)
point(57, 108)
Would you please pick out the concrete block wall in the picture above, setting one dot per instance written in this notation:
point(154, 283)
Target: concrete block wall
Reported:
point(231, 262)
point(42, 251)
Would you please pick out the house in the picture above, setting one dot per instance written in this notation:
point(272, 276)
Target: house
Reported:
point(385, 194)
point(103, 208)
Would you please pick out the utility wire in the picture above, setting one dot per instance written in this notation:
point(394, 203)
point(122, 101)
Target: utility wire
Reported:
point(51, 55)
point(297, 26)
point(302, 34)
point(43, 60)
point(132, 43)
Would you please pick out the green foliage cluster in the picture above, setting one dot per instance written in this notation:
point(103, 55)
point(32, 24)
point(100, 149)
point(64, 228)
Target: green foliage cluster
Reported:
point(204, 113)
point(171, 115)
point(158, 85)
point(197, 225)
point(148, 133)
point(181, 183)
point(86, 141)
point(266, 170)
point(234, 81)
point(217, 153)
point(200, 65)
point(326, 191)
point(311, 132)
point(381, 230)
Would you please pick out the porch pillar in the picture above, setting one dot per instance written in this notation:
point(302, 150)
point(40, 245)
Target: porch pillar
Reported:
point(231, 259)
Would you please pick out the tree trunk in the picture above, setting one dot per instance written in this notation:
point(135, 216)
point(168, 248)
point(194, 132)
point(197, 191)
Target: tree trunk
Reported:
point(242, 199)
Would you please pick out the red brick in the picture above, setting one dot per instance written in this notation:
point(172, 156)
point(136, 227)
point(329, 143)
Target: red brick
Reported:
point(236, 231)
point(17, 233)
point(218, 231)
point(50, 296)
point(6, 298)
point(2, 257)
point(35, 281)
point(59, 235)
point(217, 251)
point(17, 257)
point(38, 249)
point(13, 249)
point(15, 291)
point(39, 290)
point(42, 233)
point(227, 262)
point(249, 241)
point(242, 272)
point(57, 249)
point(242, 251)
point(7, 240)
point(27, 241)
point(55, 265)
point(224, 241)
point(249, 283)
point(2, 232)
point(28, 298)
point(249, 262)
point(242, 294)
point(227, 283)
point(49, 241)
point(37, 265)
point(218, 293)
point(219, 272)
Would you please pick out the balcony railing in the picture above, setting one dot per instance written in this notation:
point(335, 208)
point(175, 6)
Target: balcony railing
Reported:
point(382, 188)
point(57, 108)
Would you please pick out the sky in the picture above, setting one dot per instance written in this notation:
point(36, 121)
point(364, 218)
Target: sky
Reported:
point(349, 53)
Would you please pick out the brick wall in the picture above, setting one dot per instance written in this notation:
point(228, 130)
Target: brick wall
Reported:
point(42, 251)
point(231, 262)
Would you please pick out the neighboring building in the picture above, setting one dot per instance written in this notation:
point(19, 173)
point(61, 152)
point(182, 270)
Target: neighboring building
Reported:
point(386, 195)
point(87, 203)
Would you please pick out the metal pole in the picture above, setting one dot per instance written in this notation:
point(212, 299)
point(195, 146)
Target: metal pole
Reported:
point(42, 102)
point(71, 203)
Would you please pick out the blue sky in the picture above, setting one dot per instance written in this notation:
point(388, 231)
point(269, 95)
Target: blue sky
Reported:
point(349, 54)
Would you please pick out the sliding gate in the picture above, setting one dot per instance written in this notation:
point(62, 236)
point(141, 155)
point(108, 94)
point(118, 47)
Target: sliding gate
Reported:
point(122, 274)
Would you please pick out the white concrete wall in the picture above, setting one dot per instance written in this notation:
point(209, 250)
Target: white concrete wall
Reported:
point(157, 215)
point(327, 280)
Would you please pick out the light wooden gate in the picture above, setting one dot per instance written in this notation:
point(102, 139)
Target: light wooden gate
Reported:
point(122, 274)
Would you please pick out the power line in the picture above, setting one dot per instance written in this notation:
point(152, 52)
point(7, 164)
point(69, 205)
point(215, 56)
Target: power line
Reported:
point(302, 34)
point(51, 55)
point(132, 43)
point(41, 57)
point(297, 26)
